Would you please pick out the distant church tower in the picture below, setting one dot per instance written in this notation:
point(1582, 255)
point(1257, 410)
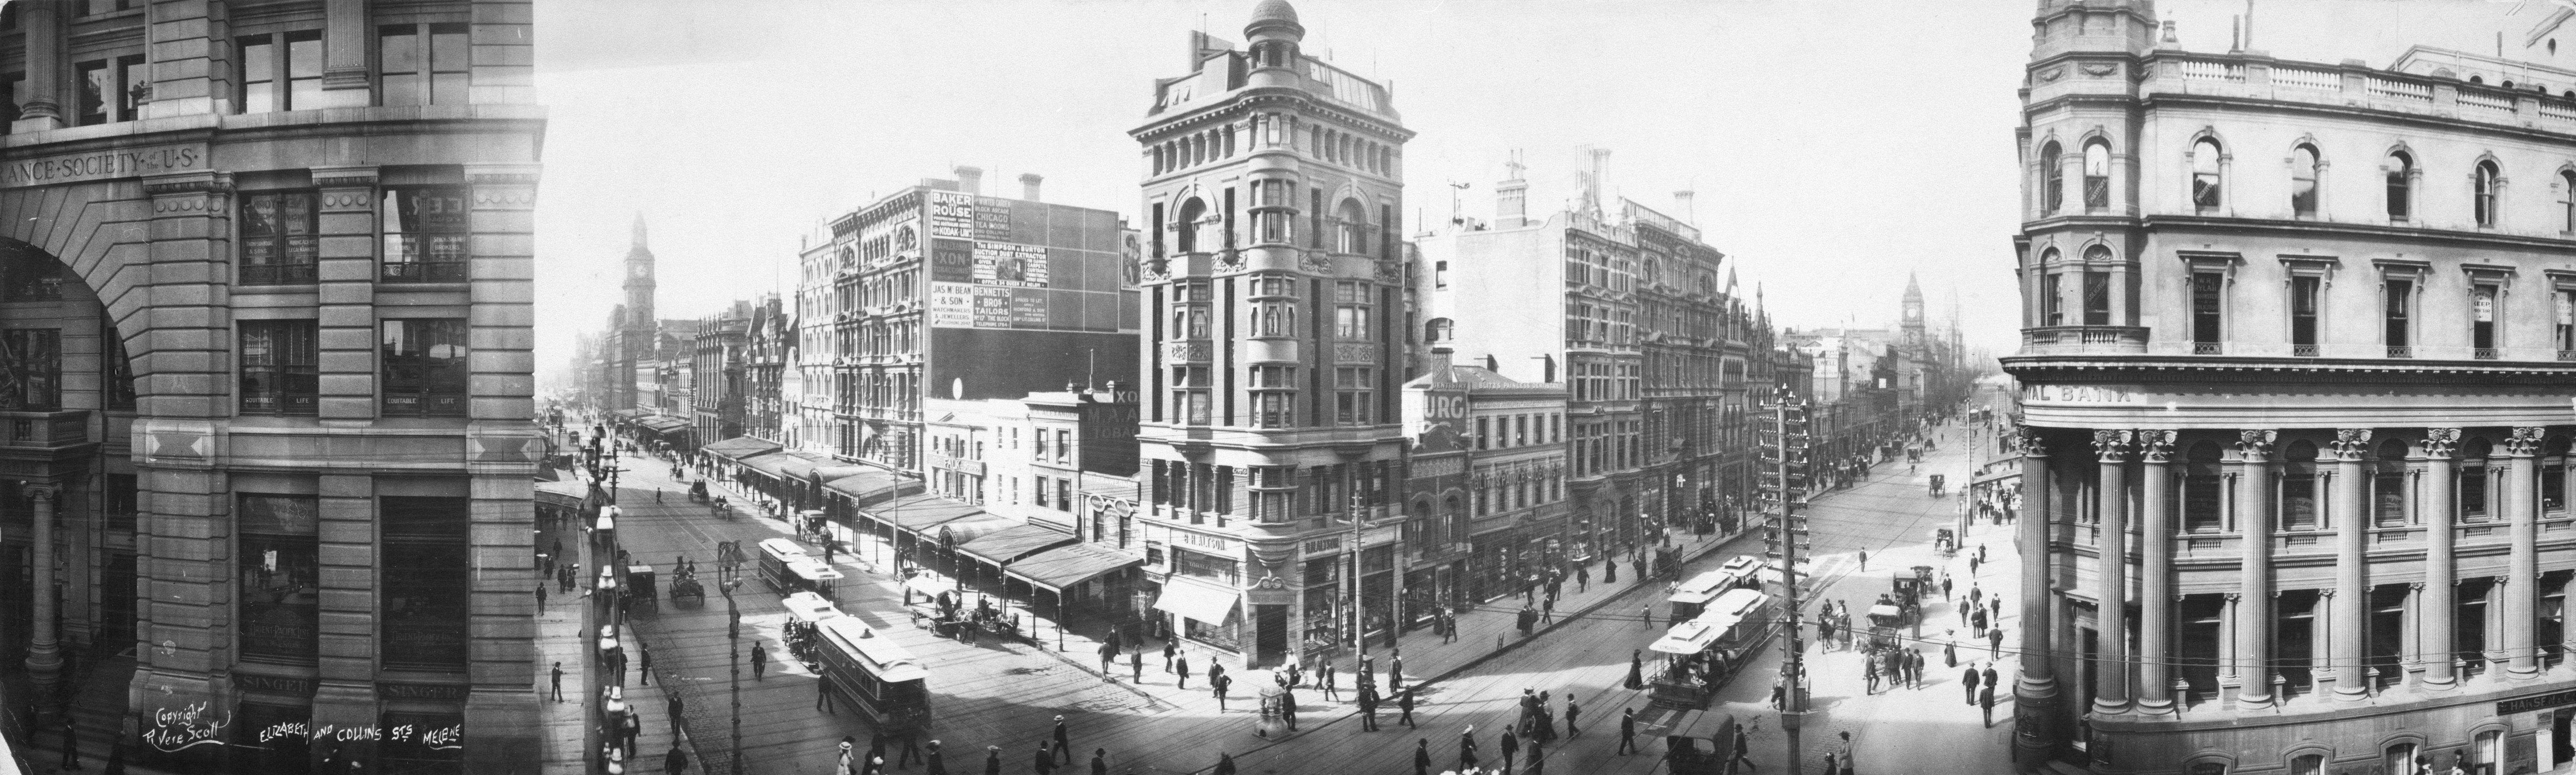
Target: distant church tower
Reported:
point(634, 326)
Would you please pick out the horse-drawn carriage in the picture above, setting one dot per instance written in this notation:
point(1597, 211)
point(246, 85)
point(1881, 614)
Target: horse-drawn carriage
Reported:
point(639, 594)
point(685, 586)
point(1938, 488)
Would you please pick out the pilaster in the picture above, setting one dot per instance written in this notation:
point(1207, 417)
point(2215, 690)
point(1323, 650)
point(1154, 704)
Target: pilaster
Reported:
point(191, 73)
point(345, 328)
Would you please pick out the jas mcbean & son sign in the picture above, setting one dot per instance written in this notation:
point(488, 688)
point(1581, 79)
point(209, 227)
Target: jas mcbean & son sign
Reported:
point(102, 165)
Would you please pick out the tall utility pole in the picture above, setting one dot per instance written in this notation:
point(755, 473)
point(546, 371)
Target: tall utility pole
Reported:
point(1359, 627)
point(1784, 448)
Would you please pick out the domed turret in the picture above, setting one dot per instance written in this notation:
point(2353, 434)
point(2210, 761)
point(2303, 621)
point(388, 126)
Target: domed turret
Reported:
point(1274, 15)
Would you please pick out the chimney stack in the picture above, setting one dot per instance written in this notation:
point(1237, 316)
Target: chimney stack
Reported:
point(1682, 202)
point(1029, 185)
point(1595, 186)
point(1438, 363)
point(970, 180)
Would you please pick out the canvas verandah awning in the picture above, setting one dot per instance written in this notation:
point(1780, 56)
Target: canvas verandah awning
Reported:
point(1009, 544)
point(740, 447)
point(1197, 599)
point(865, 487)
point(1069, 565)
point(784, 466)
point(918, 513)
point(663, 424)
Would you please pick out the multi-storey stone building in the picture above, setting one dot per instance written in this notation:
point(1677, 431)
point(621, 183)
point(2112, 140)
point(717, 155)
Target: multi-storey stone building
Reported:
point(265, 296)
point(1273, 272)
point(939, 291)
point(1485, 485)
point(1661, 357)
point(2295, 371)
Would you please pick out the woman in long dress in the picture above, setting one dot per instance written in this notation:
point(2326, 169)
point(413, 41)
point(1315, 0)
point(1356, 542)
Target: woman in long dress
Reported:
point(1636, 669)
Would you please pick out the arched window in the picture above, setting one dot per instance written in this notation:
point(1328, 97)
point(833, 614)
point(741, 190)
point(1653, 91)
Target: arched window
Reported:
point(2398, 758)
point(2488, 180)
point(2097, 174)
point(2052, 291)
point(2401, 184)
point(2204, 175)
point(2567, 200)
point(2308, 764)
point(2299, 487)
point(2388, 484)
point(1436, 331)
point(1352, 221)
point(2303, 181)
point(2097, 286)
point(1186, 227)
point(2200, 489)
point(2486, 752)
point(2052, 180)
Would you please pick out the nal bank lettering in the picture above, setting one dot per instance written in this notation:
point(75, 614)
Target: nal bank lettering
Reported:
point(102, 165)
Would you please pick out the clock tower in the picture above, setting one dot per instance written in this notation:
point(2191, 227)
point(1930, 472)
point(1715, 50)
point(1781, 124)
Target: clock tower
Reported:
point(639, 280)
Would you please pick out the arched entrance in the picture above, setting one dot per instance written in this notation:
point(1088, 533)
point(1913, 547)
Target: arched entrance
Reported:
point(67, 496)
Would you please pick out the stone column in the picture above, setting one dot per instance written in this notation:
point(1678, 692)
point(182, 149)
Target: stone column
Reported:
point(344, 54)
point(2035, 734)
point(2111, 671)
point(2351, 598)
point(2522, 567)
point(40, 109)
point(2155, 573)
point(44, 653)
point(2254, 575)
point(2441, 570)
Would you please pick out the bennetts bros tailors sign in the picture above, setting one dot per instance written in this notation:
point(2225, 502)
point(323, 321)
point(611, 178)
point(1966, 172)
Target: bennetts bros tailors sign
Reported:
point(103, 165)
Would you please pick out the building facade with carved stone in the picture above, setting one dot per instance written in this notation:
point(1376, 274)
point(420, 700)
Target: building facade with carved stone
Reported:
point(2295, 361)
point(1273, 272)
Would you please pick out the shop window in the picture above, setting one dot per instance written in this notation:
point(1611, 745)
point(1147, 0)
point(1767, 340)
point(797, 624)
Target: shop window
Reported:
point(423, 582)
point(280, 238)
point(424, 364)
point(280, 577)
point(423, 744)
point(414, 74)
point(280, 71)
point(425, 234)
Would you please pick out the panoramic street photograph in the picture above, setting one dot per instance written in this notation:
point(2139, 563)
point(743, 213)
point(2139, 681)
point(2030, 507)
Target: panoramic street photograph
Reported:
point(1235, 387)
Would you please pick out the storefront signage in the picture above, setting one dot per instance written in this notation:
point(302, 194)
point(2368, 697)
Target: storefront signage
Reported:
point(104, 165)
point(993, 218)
point(446, 692)
point(1186, 538)
point(184, 727)
point(2535, 702)
point(952, 305)
point(299, 687)
point(1323, 545)
point(952, 215)
point(2079, 394)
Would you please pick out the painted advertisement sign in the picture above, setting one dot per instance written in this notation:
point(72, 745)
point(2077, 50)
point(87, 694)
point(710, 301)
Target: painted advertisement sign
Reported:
point(952, 214)
point(1003, 263)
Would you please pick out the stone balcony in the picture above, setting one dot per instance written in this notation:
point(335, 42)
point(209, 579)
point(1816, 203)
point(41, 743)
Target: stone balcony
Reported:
point(2084, 340)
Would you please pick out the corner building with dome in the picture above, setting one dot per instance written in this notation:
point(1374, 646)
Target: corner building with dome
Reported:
point(2297, 354)
point(1273, 278)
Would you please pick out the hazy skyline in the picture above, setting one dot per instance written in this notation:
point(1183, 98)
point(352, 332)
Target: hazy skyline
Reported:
point(1833, 147)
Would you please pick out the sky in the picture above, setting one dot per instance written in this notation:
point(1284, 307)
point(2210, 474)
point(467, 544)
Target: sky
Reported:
point(1834, 147)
